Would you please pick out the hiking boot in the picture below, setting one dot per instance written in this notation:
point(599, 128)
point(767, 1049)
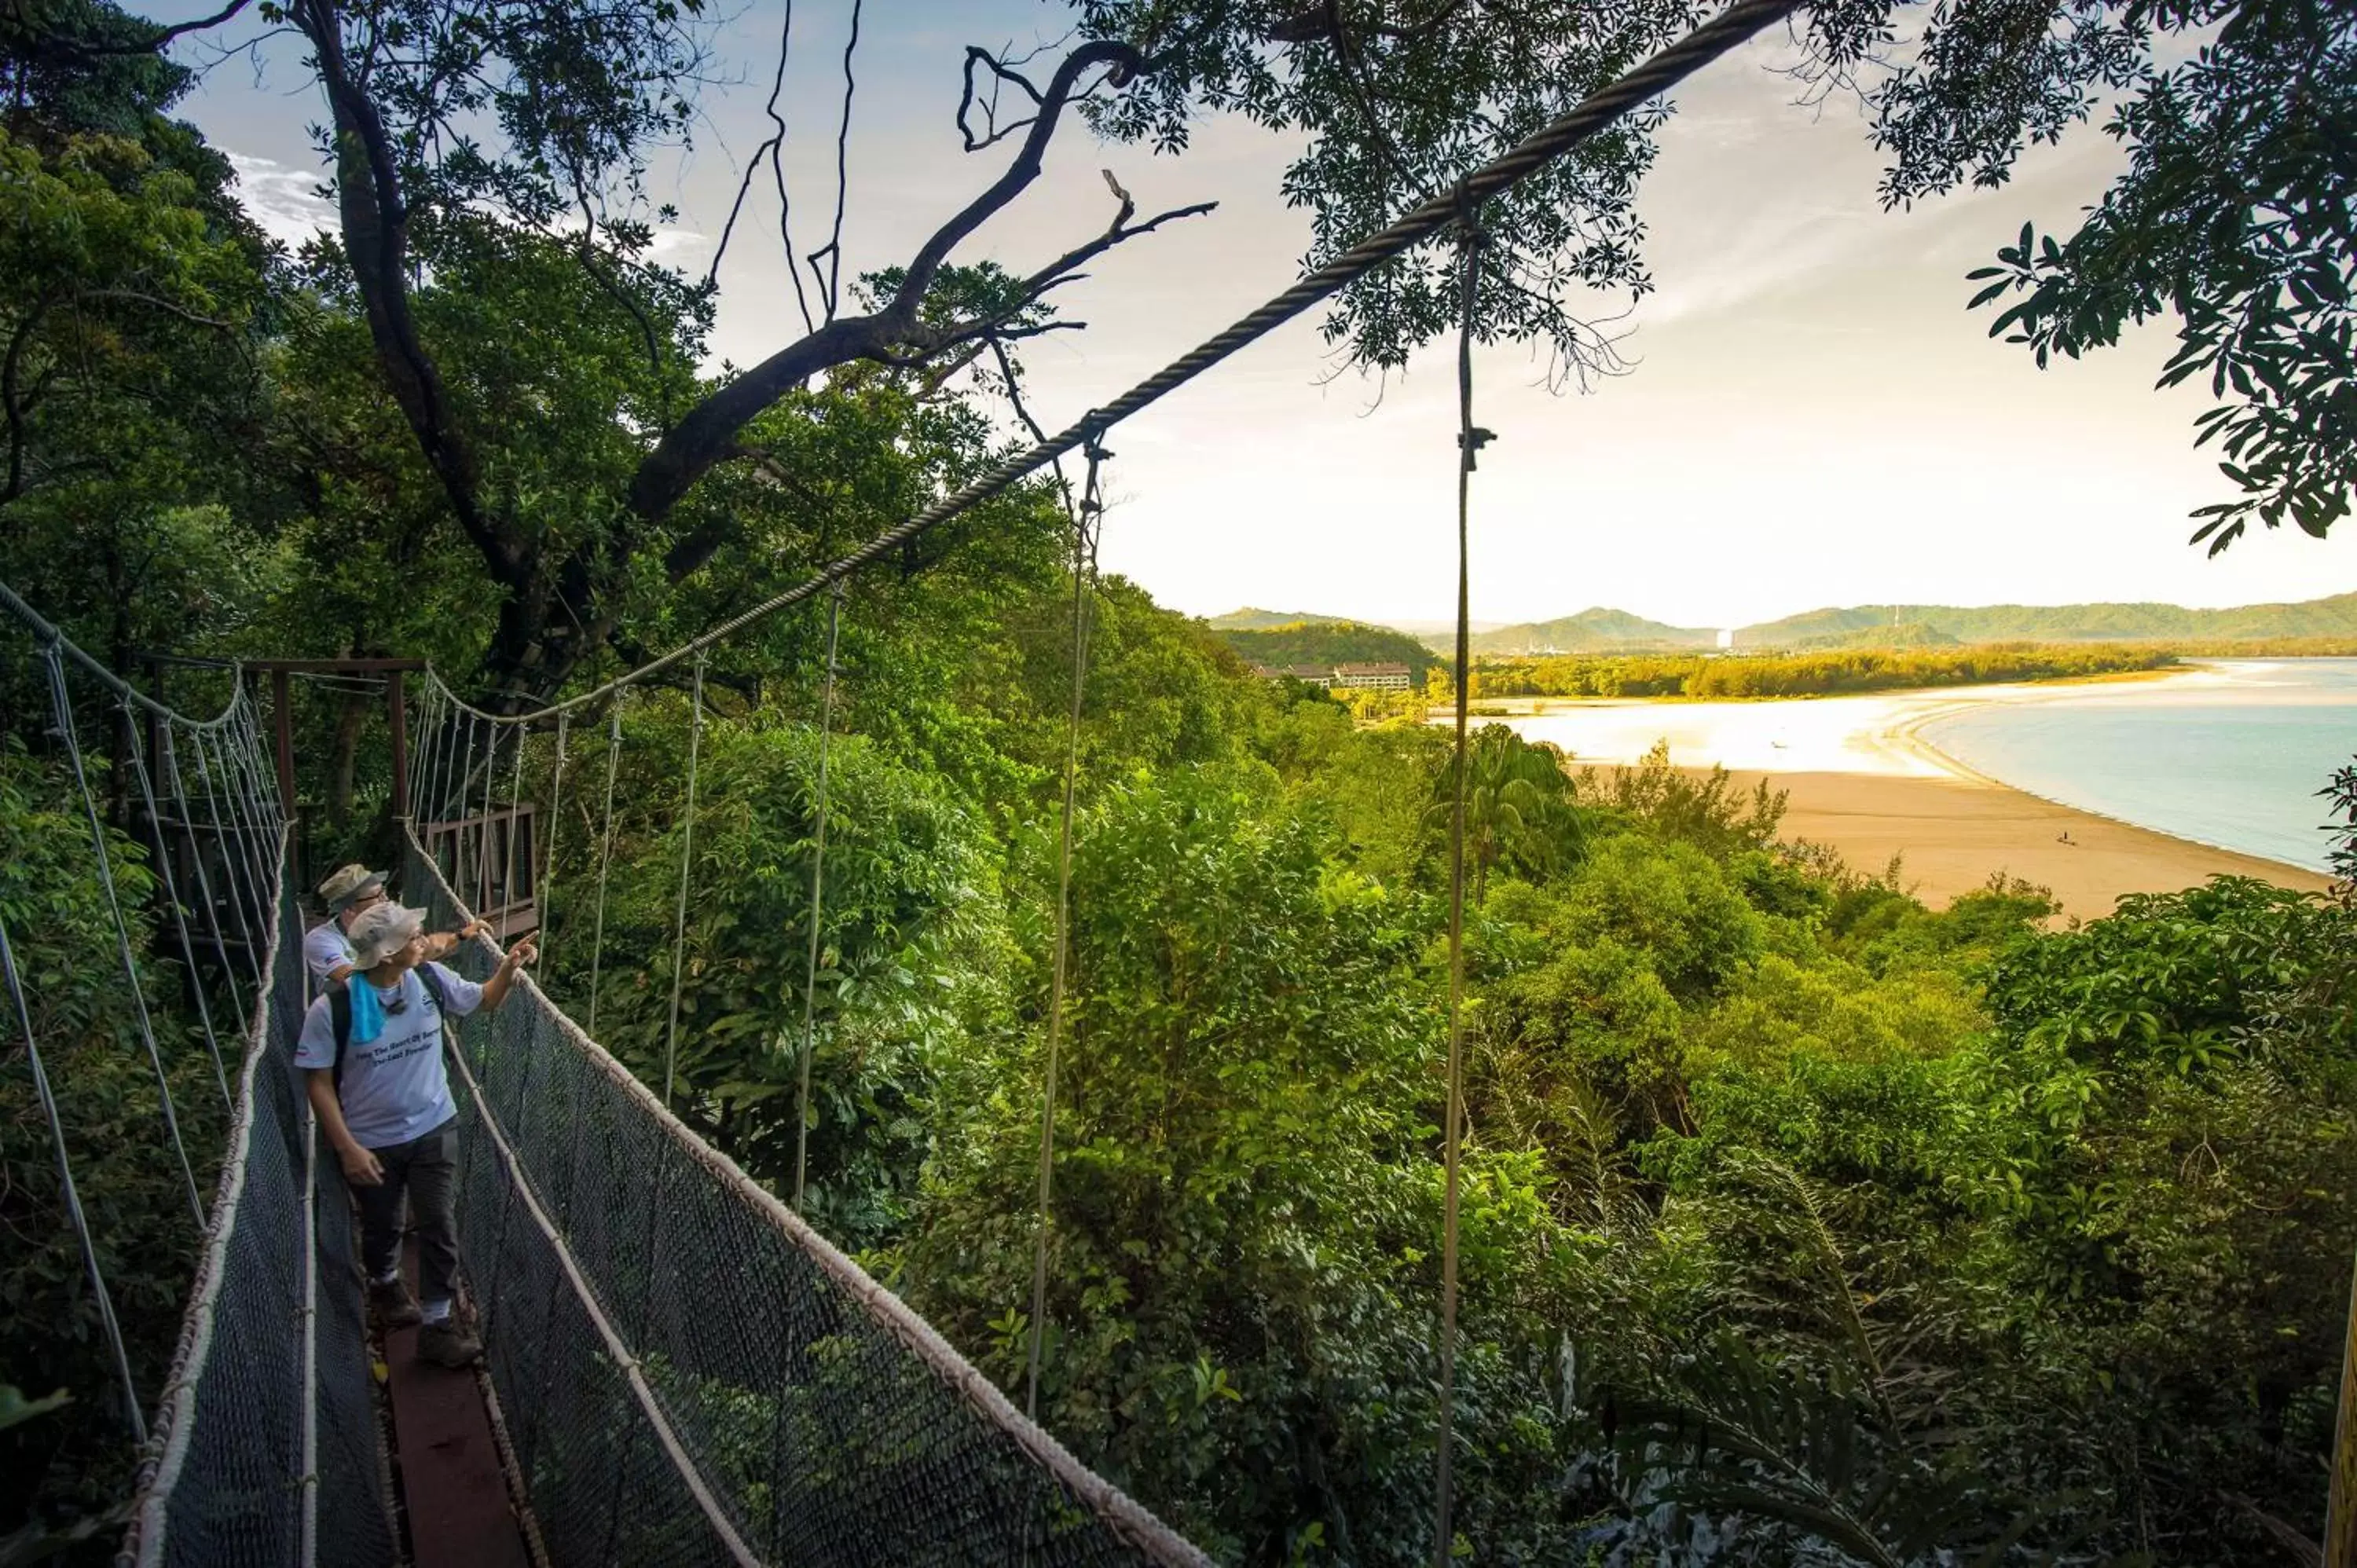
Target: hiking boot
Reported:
point(394, 1306)
point(448, 1344)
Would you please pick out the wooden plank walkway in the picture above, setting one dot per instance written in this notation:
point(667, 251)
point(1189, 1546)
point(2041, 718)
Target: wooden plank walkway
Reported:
point(449, 1464)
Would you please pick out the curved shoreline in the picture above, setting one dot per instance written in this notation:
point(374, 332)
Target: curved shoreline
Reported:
point(1862, 778)
point(1910, 736)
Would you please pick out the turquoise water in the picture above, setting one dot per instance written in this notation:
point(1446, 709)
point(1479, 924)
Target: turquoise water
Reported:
point(2233, 757)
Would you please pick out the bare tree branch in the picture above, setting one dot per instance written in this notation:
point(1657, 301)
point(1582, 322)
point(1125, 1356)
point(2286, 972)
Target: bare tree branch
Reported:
point(832, 249)
point(157, 39)
point(708, 433)
point(772, 148)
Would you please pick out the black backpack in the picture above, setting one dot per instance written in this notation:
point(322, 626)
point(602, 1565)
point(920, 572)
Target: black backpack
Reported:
point(340, 1011)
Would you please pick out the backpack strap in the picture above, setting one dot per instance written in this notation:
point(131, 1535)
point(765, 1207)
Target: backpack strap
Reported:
point(339, 1019)
point(428, 977)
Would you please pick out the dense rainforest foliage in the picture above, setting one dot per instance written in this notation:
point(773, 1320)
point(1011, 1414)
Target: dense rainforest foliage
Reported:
point(1804, 1223)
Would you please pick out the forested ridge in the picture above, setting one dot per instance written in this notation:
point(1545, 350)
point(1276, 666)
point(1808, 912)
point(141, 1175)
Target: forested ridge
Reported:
point(1804, 1223)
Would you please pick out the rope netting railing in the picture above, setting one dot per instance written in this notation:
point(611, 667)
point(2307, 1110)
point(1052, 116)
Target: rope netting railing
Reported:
point(262, 1444)
point(266, 1446)
point(690, 1373)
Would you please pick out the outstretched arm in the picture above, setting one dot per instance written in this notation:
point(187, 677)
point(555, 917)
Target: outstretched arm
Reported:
point(495, 990)
point(442, 944)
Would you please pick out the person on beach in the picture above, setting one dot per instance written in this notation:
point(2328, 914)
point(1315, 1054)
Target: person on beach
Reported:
point(349, 890)
point(372, 1054)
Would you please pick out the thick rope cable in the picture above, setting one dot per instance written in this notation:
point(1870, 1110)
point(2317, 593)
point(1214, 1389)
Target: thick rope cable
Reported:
point(62, 705)
point(817, 904)
point(164, 858)
point(605, 862)
point(46, 632)
point(1092, 510)
point(71, 1194)
point(686, 868)
point(1596, 113)
point(1470, 440)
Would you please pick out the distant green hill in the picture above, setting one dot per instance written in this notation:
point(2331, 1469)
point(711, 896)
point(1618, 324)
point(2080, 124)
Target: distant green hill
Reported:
point(1251, 619)
point(1592, 631)
point(1328, 643)
point(1861, 625)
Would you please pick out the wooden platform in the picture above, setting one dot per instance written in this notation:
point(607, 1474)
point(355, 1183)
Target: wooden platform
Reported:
point(446, 1461)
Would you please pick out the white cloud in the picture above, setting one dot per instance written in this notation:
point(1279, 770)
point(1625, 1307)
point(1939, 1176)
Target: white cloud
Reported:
point(285, 201)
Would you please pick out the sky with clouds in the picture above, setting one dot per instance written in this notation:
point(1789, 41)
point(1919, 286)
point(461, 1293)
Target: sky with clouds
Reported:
point(1811, 417)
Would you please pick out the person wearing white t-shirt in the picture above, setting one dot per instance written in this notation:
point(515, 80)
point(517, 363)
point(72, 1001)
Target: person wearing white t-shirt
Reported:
point(383, 1097)
point(348, 890)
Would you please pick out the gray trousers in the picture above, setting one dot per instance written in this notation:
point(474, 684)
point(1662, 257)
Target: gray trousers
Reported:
point(428, 1169)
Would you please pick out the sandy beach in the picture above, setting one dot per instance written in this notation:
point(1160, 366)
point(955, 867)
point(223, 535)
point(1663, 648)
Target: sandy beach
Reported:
point(1861, 779)
point(1952, 832)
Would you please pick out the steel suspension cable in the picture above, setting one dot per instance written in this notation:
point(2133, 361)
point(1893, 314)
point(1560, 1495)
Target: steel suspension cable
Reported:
point(172, 896)
point(817, 904)
point(247, 805)
point(70, 1193)
point(547, 878)
point(686, 866)
point(178, 786)
point(1595, 114)
point(483, 819)
point(62, 705)
point(458, 808)
point(228, 862)
point(605, 862)
point(1470, 441)
point(1089, 516)
point(245, 819)
point(515, 806)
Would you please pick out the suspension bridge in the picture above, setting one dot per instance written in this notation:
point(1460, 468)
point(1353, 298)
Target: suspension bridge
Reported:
point(679, 1369)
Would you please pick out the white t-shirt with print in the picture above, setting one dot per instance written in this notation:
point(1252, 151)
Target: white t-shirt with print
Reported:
point(394, 1087)
point(325, 948)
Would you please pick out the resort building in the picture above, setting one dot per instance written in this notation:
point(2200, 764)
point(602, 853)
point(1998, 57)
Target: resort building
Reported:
point(1384, 677)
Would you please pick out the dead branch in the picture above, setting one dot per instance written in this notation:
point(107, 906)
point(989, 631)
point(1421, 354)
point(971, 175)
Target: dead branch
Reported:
point(707, 432)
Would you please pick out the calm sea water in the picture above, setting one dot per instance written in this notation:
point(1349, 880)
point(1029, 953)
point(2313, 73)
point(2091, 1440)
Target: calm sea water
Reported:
point(2232, 757)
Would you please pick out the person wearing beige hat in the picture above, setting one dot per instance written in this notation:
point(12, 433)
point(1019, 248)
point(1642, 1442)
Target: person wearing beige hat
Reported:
point(372, 1054)
point(349, 890)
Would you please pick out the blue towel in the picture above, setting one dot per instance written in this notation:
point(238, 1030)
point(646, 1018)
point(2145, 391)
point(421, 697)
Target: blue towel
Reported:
point(368, 1012)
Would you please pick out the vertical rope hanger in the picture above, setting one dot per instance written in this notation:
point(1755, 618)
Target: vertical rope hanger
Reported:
point(235, 887)
point(547, 878)
point(605, 862)
point(172, 896)
point(62, 707)
point(515, 806)
point(817, 902)
point(1085, 527)
point(65, 1189)
point(1470, 441)
point(170, 760)
point(686, 865)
